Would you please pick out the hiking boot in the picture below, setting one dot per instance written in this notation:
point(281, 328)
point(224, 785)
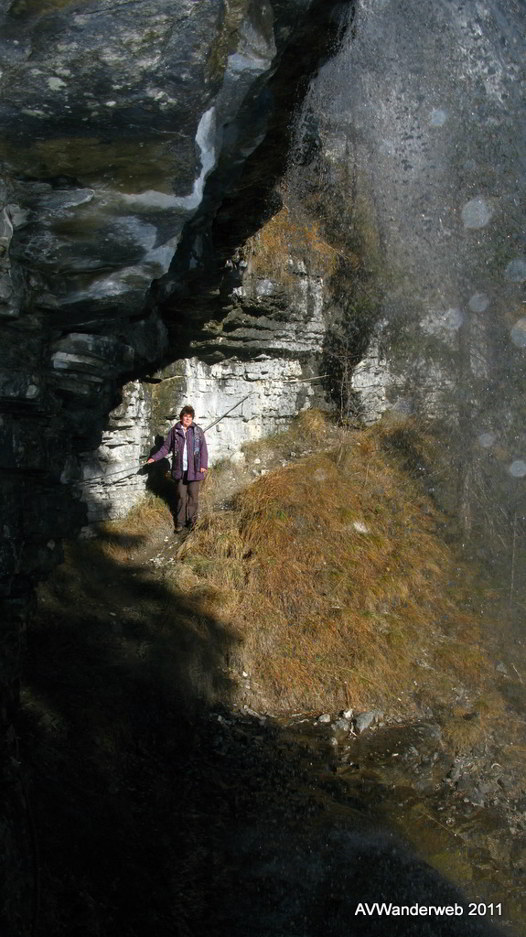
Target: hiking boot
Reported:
point(178, 530)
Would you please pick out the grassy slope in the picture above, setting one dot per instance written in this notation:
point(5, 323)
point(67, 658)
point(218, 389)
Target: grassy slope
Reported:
point(333, 575)
point(327, 580)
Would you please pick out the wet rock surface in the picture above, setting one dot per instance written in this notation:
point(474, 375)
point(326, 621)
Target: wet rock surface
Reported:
point(304, 841)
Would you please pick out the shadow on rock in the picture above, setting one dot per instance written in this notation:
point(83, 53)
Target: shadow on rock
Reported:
point(158, 810)
point(119, 669)
point(159, 480)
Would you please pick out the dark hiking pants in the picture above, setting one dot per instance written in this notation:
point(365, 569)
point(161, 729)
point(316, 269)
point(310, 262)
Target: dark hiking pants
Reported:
point(187, 501)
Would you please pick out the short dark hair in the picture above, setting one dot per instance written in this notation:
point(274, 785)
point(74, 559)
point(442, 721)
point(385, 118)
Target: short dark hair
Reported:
point(187, 409)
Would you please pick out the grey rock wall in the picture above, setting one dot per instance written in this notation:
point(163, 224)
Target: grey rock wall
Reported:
point(107, 478)
point(424, 108)
point(121, 125)
point(113, 134)
point(115, 117)
point(408, 149)
point(140, 147)
point(268, 346)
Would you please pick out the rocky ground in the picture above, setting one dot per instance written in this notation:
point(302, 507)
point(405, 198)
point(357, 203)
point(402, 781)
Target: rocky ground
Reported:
point(312, 819)
point(158, 813)
point(462, 806)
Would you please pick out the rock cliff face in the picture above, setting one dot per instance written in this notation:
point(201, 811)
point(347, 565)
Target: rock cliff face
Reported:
point(259, 360)
point(418, 119)
point(184, 215)
point(429, 137)
point(122, 126)
point(405, 163)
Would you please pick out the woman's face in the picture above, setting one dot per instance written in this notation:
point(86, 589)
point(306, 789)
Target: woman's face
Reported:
point(187, 420)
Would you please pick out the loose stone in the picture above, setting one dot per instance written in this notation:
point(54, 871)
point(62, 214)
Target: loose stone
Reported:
point(365, 720)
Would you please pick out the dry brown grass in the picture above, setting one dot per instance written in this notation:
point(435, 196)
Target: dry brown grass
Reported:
point(269, 250)
point(331, 576)
point(121, 540)
point(333, 573)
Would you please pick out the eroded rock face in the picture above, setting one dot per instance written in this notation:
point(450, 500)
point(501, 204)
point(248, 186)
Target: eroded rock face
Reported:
point(423, 107)
point(406, 165)
point(108, 477)
point(140, 147)
point(420, 123)
point(112, 134)
point(112, 122)
point(263, 356)
point(114, 118)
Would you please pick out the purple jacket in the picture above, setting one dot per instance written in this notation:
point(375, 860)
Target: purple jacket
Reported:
point(197, 451)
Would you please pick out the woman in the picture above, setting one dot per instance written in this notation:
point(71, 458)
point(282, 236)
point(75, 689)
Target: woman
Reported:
point(186, 440)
